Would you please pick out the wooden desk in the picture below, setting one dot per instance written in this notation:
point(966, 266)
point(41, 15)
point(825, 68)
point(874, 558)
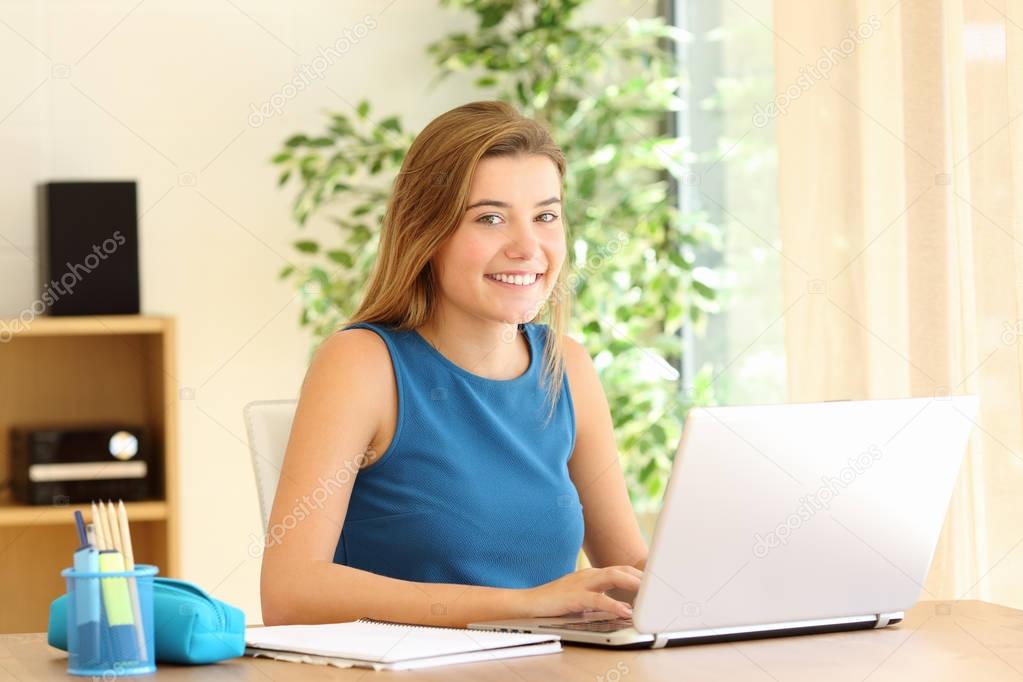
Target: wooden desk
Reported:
point(962, 640)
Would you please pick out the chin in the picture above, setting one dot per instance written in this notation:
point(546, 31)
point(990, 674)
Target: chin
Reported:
point(515, 319)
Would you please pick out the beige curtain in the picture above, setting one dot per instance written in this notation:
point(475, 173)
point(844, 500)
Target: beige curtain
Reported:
point(900, 166)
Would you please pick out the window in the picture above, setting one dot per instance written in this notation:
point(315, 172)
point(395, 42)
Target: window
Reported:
point(733, 181)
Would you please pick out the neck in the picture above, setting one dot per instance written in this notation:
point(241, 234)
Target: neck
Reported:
point(490, 349)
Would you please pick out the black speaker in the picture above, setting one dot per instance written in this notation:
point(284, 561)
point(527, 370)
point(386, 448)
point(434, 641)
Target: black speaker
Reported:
point(88, 245)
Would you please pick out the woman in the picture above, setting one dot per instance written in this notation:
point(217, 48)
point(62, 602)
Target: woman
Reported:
point(460, 454)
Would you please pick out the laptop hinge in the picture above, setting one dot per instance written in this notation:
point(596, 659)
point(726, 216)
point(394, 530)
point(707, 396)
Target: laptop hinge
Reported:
point(660, 639)
point(882, 620)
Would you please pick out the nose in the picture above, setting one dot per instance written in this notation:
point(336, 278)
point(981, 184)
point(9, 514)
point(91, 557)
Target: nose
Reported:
point(522, 242)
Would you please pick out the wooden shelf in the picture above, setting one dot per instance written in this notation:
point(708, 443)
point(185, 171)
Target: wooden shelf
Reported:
point(14, 514)
point(84, 325)
point(81, 372)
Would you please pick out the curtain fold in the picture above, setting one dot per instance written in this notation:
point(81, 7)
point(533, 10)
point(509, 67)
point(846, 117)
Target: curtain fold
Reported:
point(900, 166)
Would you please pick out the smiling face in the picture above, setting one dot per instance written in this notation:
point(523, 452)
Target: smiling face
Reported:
point(502, 261)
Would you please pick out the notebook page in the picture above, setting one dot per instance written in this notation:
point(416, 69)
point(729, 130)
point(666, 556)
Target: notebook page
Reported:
point(551, 647)
point(382, 642)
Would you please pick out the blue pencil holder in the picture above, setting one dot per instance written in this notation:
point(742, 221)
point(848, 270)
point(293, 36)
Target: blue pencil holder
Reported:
point(110, 622)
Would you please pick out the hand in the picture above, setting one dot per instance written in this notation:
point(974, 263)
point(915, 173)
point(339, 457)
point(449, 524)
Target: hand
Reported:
point(583, 591)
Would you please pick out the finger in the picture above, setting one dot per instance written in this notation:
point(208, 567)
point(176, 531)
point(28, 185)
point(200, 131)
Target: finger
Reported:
point(602, 602)
point(610, 578)
point(631, 569)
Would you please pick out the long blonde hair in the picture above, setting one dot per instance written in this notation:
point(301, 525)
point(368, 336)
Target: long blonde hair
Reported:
point(427, 204)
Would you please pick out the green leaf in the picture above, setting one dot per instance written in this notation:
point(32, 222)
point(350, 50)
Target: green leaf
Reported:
point(391, 123)
point(361, 234)
point(340, 124)
point(648, 470)
point(295, 140)
point(493, 14)
point(342, 257)
point(363, 109)
point(281, 157)
point(704, 290)
point(658, 434)
point(285, 271)
point(307, 246)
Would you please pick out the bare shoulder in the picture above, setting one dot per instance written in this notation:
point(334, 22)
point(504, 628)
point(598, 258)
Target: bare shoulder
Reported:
point(355, 360)
point(357, 347)
point(592, 415)
point(351, 362)
point(582, 375)
point(577, 358)
point(351, 374)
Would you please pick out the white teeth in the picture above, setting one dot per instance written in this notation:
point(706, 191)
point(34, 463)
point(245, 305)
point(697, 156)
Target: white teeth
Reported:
point(520, 280)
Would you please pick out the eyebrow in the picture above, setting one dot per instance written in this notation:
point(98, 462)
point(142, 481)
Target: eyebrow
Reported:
point(503, 204)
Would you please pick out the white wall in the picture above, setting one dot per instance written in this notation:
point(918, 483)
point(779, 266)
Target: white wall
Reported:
point(161, 92)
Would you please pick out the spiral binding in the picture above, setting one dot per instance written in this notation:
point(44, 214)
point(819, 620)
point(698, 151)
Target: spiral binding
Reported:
point(423, 627)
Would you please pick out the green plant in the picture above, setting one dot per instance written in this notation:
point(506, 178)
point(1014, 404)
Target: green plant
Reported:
point(604, 91)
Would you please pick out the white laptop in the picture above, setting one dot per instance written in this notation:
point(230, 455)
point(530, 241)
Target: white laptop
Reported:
point(789, 519)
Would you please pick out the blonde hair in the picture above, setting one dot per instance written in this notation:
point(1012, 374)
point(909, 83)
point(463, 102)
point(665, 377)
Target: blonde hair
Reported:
point(428, 203)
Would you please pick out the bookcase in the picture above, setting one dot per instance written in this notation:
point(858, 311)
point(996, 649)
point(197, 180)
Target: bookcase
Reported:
point(82, 371)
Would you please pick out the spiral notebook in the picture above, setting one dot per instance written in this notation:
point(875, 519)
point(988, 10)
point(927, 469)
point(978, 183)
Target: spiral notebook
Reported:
point(391, 646)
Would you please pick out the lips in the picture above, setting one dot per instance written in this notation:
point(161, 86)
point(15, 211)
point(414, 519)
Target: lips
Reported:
point(539, 278)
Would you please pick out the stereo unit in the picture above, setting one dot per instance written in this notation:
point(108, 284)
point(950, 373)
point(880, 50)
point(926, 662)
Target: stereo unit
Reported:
point(88, 248)
point(73, 465)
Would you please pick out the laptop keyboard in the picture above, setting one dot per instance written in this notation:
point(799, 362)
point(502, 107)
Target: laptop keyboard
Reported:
point(609, 625)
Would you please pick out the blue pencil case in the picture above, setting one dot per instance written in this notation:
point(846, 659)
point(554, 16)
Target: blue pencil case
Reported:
point(189, 625)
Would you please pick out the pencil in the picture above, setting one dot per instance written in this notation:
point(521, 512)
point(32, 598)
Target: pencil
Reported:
point(129, 565)
point(108, 531)
point(129, 555)
point(97, 525)
point(115, 528)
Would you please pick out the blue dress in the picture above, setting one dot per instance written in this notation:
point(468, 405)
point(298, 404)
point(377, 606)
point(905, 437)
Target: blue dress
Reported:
point(474, 487)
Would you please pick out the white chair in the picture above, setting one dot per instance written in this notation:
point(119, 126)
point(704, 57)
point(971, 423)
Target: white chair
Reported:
point(268, 423)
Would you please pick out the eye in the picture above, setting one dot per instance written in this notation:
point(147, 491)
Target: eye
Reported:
point(483, 218)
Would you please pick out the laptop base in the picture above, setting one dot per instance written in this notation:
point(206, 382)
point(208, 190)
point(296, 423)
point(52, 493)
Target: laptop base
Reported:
point(629, 638)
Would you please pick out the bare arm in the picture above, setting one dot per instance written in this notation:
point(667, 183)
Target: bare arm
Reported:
point(612, 535)
point(343, 396)
point(346, 390)
point(324, 592)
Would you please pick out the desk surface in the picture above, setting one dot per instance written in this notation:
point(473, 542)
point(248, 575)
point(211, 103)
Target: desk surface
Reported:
point(937, 641)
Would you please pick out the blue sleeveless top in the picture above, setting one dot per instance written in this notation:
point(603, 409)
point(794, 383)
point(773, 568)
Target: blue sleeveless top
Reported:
point(473, 488)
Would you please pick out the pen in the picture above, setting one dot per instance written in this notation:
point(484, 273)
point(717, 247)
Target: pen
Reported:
point(118, 607)
point(87, 616)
